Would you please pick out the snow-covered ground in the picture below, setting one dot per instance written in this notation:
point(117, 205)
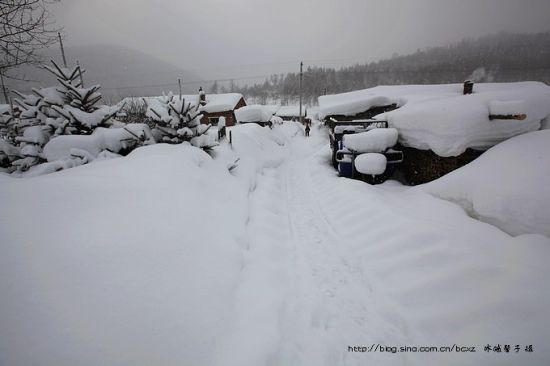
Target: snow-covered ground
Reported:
point(165, 257)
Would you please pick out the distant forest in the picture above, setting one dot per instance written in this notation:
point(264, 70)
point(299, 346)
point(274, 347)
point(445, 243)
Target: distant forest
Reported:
point(495, 58)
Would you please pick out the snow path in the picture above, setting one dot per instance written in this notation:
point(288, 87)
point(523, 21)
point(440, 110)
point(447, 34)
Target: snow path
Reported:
point(333, 263)
point(307, 297)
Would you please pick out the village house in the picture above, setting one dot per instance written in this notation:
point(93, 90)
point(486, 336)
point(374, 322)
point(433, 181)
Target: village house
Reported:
point(214, 106)
point(442, 127)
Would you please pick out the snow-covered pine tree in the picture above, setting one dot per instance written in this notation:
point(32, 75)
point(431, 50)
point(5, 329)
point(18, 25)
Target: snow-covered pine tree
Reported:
point(177, 120)
point(67, 109)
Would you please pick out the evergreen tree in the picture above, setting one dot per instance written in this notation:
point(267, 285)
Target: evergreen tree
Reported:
point(177, 120)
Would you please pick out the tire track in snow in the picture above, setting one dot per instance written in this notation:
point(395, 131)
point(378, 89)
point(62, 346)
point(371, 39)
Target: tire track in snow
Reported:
point(330, 304)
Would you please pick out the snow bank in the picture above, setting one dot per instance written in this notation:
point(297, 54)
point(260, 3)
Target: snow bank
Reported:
point(253, 113)
point(371, 163)
point(440, 118)
point(373, 141)
point(132, 260)
point(507, 186)
point(438, 276)
point(113, 140)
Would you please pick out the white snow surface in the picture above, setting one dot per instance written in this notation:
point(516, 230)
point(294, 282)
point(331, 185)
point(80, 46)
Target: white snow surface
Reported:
point(440, 118)
point(112, 139)
point(372, 141)
point(164, 257)
point(371, 163)
point(512, 107)
point(508, 186)
point(253, 113)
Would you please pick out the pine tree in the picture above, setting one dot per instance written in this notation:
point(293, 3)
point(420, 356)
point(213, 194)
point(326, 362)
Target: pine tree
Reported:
point(67, 109)
point(177, 120)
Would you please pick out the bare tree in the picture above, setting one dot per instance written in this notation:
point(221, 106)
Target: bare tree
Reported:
point(25, 28)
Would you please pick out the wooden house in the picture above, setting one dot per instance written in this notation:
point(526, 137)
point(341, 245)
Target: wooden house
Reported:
point(442, 127)
point(214, 106)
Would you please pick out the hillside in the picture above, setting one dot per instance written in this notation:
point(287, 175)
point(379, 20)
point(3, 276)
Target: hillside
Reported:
point(502, 57)
point(120, 71)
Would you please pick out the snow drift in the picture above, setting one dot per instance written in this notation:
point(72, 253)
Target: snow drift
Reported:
point(131, 260)
point(508, 186)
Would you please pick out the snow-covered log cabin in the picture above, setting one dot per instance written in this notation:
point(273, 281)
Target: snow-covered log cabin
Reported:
point(441, 128)
point(214, 106)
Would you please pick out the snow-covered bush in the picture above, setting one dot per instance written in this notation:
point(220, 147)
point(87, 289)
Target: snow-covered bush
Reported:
point(177, 120)
point(65, 116)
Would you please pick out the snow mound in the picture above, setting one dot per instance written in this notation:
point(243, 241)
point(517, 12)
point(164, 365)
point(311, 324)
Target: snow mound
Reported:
point(113, 140)
point(253, 113)
point(507, 186)
point(373, 141)
point(371, 163)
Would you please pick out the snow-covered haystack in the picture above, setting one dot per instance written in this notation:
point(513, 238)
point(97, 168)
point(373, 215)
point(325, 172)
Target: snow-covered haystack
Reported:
point(508, 186)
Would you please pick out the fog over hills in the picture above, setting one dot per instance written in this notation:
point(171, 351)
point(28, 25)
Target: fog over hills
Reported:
point(119, 70)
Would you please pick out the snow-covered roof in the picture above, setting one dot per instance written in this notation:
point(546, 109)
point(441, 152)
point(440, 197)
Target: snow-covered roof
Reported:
point(253, 113)
point(221, 102)
point(441, 118)
point(290, 111)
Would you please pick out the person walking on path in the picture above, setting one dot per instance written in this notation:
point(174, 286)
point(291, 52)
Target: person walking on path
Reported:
point(307, 129)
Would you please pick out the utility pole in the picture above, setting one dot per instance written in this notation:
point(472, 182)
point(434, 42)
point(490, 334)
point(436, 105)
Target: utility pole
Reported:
point(301, 75)
point(62, 50)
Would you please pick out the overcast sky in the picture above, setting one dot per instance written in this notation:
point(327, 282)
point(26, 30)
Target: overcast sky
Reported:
point(235, 38)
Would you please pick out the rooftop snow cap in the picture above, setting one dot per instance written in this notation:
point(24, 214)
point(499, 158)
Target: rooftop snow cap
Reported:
point(253, 113)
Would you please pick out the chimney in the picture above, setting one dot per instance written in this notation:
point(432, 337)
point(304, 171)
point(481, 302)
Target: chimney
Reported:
point(202, 96)
point(468, 87)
